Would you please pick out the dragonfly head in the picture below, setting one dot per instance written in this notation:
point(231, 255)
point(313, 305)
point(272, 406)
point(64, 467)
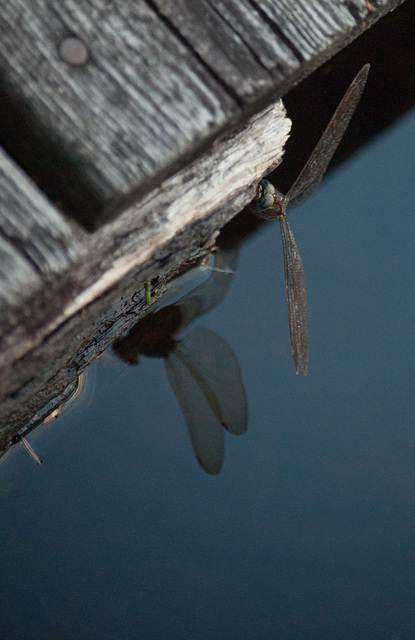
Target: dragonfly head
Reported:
point(268, 203)
point(152, 336)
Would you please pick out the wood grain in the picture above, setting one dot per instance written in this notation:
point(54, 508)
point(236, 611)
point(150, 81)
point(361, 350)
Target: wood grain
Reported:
point(138, 104)
point(148, 238)
point(160, 81)
point(235, 41)
point(36, 241)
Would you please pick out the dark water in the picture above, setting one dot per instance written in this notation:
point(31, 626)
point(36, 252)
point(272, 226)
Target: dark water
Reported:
point(309, 529)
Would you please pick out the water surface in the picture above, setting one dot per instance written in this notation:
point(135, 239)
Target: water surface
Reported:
point(308, 530)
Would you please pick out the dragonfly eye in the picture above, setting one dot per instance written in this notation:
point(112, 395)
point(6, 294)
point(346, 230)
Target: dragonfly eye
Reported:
point(268, 186)
point(266, 202)
point(265, 196)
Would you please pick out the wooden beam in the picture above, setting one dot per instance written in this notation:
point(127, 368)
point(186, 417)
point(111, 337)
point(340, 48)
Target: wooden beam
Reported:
point(158, 83)
point(36, 240)
point(197, 200)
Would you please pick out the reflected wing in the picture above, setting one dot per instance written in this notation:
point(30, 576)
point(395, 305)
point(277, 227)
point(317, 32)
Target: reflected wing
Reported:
point(211, 292)
point(205, 376)
point(205, 430)
point(216, 368)
point(315, 167)
point(295, 290)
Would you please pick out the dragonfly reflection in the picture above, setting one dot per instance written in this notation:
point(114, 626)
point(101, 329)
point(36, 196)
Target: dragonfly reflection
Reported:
point(271, 204)
point(201, 367)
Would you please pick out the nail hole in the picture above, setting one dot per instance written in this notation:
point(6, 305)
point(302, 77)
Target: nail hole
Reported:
point(73, 52)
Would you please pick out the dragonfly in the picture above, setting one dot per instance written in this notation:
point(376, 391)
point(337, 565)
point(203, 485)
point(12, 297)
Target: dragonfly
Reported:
point(202, 369)
point(269, 203)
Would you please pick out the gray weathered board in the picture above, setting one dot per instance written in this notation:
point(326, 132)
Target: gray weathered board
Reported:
point(162, 81)
point(162, 134)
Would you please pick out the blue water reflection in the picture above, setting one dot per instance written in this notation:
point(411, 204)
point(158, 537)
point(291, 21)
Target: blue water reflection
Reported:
point(308, 531)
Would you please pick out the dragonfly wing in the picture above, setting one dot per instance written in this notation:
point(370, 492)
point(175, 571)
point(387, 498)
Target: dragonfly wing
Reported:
point(215, 367)
point(206, 432)
point(211, 292)
point(295, 290)
point(315, 167)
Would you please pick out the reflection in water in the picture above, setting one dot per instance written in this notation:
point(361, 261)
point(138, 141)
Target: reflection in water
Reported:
point(50, 411)
point(202, 369)
point(30, 450)
point(74, 395)
point(271, 204)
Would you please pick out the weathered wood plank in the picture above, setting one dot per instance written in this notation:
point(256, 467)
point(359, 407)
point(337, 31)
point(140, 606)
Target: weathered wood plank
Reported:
point(315, 29)
point(144, 238)
point(138, 104)
point(235, 41)
point(257, 46)
point(31, 223)
point(160, 81)
point(36, 241)
point(17, 276)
